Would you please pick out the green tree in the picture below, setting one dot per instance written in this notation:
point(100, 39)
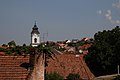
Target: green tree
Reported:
point(104, 55)
point(3, 50)
point(25, 50)
point(72, 76)
point(53, 76)
point(4, 45)
point(8, 52)
point(12, 43)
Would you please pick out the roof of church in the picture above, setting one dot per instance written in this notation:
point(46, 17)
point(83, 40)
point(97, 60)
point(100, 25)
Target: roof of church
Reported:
point(35, 30)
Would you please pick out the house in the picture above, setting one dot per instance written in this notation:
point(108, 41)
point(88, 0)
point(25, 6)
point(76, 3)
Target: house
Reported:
point(68, 41)
point(75, 40)
point(84, 48)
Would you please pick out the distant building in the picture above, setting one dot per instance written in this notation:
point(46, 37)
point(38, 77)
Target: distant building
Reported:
point(75, 40)
point(35, 36)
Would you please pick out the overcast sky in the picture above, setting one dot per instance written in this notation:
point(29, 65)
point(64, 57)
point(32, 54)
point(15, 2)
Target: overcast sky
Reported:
point(62, 19)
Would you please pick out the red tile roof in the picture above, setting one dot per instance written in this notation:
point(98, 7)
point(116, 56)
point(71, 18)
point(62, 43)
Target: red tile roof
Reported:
point(65, 64)
point(2, 53)
point(10, 68)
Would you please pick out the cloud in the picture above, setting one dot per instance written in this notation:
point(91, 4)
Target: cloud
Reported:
point(99, 12)
point(109, 17)
point(116, 4)
point(108, 14)
point(117, 21)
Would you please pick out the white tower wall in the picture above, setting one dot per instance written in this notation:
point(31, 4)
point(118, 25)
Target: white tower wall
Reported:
point(34, 42)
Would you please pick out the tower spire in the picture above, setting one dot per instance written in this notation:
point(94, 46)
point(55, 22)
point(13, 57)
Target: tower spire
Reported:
point(35, 22)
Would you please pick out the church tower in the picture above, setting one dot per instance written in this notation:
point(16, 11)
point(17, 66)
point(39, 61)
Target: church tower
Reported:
point(35, 36)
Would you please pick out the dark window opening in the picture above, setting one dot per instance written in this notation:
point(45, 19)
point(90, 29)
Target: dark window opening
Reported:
point(35, 40)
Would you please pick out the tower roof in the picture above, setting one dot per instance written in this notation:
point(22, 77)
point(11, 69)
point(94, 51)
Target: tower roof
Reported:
point(35, 29)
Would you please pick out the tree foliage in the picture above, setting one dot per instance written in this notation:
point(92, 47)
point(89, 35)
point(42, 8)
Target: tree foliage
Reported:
point(104, 55)
point(3, 50)
point(12, 43)
point(53, 76)
point(72, 76)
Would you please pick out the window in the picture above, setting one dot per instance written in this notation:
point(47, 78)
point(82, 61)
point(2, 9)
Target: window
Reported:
point(35, 40)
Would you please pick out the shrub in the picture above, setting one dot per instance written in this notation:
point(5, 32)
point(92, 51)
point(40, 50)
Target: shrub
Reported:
point(2, 50)
point(8, 52)
point(72, 76)
point(53, 76)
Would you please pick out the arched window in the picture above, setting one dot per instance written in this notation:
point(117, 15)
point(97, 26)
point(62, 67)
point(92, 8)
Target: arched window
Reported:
point(35, 40)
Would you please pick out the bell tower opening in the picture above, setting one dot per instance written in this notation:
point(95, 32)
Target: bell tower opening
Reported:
point(35, 40)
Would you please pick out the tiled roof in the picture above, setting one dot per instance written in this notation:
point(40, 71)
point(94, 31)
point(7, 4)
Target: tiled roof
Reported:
point(70, 63)
point(10, 67)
